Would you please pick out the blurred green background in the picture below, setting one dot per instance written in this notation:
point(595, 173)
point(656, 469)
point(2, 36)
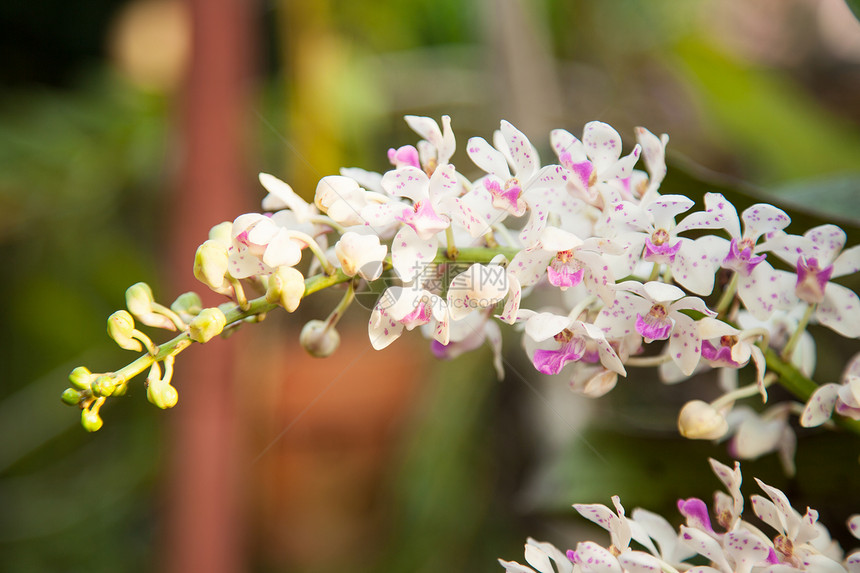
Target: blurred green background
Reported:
point(761, 99)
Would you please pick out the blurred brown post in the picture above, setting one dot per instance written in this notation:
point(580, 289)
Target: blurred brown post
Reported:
point(204, 517)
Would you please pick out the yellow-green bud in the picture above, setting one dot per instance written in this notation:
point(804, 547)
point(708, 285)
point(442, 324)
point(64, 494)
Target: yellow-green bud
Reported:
point(81, 378)
point(210, 263)
point(286, 286)
point(162, 394)
point(139, 300)
point(318, 339)
point(120, 327)
point(71, 397)
point(210, 322)
point(104, 385)
point(91, 421)
point(222, 232)
point(187, 306)
point(699, 420)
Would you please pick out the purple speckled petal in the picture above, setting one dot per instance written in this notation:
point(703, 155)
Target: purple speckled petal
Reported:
point(488, 158)
point(840, 310)
point(592, 558)
point(820, 405)
point(761, 219)
point(522, 152)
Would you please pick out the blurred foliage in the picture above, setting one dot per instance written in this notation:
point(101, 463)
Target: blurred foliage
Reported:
point(81, 187)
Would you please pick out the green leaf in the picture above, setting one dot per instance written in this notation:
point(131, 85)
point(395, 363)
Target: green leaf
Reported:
point(855, 7)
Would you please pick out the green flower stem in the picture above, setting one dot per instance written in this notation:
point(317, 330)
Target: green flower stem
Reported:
point(788, 350)
point(475, 254)
point(802, 387)
point(259, 306)
point(728, 295)
point(174, 318)
point(342, 306)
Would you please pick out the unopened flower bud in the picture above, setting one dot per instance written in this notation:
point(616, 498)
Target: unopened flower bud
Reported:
point(699, 420)
point(139, 301)
point(187, 306)
point(209, 323)
point(318, 339)
point(210, 263)
point(162, 394)
point(71, 397)
point(360, 254)
point(120, 327)
point(104, 385)
point(81, 378)
point(222, 232)
point(286, 287)
point(91, 421)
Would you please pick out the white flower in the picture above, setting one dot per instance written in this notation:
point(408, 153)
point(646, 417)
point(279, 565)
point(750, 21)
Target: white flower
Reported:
point(573, 340)
point(478, 287)
point(261, 243)
point(760, 288)
point(818, 258)
point(654, 312)
point(400, 308)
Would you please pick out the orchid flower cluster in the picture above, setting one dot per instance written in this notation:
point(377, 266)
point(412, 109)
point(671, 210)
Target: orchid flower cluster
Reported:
point(621, 277)
point(791, 541)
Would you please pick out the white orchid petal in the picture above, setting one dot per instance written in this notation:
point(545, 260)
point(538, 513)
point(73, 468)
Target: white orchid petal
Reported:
point(488, 158)
point(840, 310)
point(762, 218)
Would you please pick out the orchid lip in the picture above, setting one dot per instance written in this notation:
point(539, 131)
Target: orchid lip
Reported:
point(564, 275)
point(719, 356)
point(740, 260)
point(695, 510)
point(552, 361)
point(660, 253)
point(507, 198)
point(423, 219)
point(811, 280)
point(654, 328)
point(419, 315)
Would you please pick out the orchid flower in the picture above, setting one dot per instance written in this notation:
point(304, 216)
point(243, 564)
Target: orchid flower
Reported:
point(653, 310)
point(818, 257)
